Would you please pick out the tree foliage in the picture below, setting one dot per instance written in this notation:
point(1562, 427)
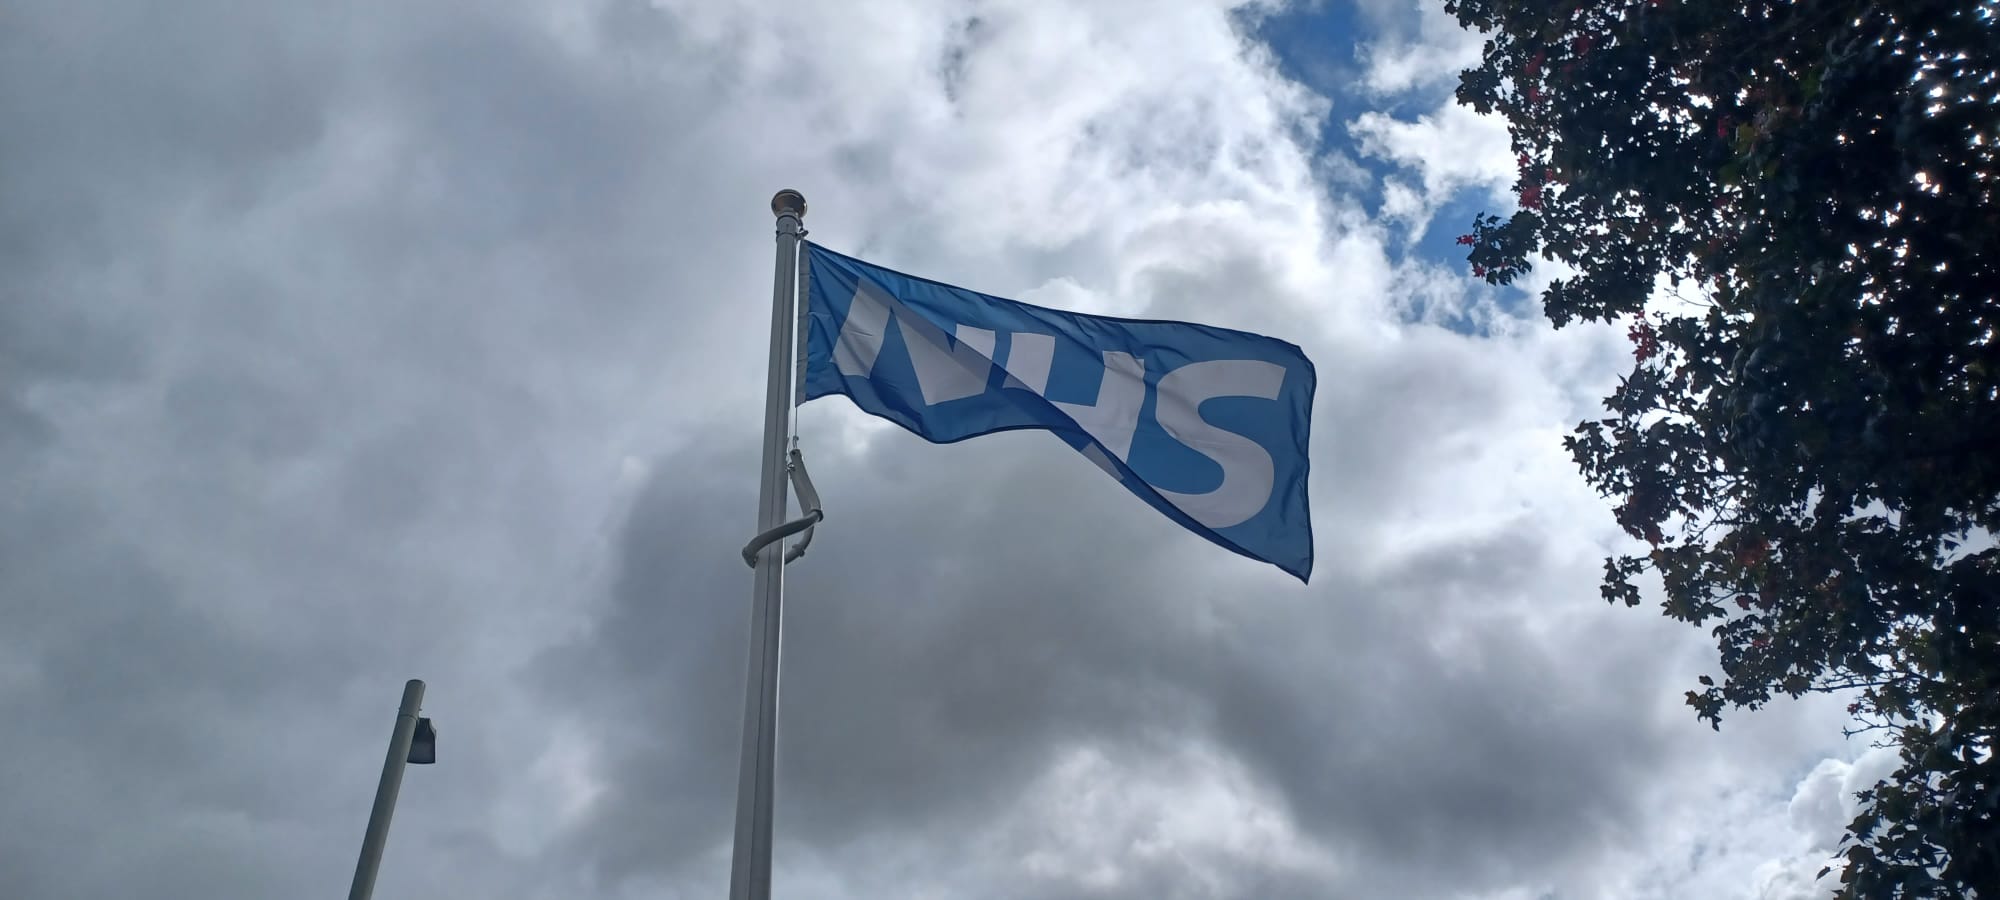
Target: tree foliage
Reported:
point(1790, 207)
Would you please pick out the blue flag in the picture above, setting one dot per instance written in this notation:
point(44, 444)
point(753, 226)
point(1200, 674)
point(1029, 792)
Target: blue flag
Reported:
point(1207, 425)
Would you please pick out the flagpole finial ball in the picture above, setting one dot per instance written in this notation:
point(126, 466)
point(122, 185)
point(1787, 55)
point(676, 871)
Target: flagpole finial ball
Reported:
point(788, 202)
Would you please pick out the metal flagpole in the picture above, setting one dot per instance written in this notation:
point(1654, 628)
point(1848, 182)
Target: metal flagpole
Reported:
point(750, 869)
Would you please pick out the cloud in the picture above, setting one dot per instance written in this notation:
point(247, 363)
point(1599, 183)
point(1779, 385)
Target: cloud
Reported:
point(341, 349)
point(1451, 149)
point(1418, 47)
point(1820, 810)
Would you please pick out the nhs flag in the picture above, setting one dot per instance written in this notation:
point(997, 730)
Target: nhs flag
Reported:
point(1209, 426)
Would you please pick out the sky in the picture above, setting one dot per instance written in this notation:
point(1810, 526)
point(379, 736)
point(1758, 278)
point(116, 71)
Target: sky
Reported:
point(342, 344)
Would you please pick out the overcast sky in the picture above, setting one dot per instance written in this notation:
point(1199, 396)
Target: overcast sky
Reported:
point(344, 343)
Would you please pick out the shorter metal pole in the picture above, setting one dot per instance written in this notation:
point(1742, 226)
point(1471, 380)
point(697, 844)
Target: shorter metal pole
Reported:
point(385, 792)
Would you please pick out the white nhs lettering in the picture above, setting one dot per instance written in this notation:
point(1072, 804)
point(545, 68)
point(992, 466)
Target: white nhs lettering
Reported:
point(947, 372)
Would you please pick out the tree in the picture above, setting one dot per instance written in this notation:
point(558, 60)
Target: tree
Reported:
point(1792, 205)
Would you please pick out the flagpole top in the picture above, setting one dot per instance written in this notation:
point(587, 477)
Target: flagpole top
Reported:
point(788, 202)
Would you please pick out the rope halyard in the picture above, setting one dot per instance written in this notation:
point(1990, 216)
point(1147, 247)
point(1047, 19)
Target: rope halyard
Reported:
point(808, 500)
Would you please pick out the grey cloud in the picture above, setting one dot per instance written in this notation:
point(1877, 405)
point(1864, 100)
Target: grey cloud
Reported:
point(255, 429)
point(924, 694)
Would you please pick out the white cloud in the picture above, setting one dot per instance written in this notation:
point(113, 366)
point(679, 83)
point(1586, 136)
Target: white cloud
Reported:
point(1820, 810)
point(1451, 149)
point(1095, 820)
point(1428, 59)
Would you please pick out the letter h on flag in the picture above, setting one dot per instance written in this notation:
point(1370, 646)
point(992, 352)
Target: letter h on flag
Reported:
point(1207, 425)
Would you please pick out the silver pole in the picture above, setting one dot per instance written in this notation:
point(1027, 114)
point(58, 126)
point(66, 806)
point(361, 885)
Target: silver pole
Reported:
point(750, 869)
point(385, 792)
